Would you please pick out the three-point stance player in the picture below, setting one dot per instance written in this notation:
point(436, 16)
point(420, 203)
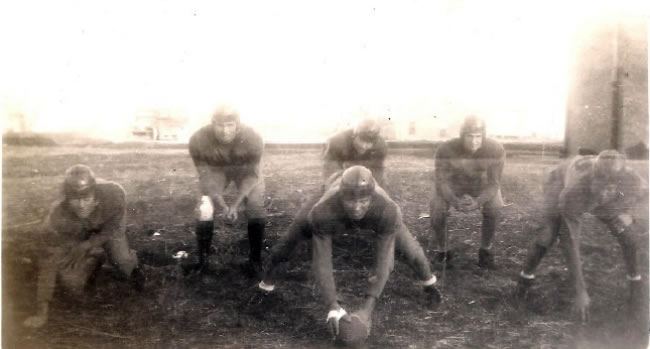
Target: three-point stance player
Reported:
point(361, 146)
point(603, 186)
point(352, 200)
point(80, 229)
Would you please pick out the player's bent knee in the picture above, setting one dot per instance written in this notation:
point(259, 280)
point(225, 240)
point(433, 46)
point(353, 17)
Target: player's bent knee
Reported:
point(545, 242)
point(205, 209)
point(73, 284)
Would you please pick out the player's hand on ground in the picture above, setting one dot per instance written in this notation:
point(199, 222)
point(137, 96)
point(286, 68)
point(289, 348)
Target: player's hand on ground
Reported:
point(35, 321)
point(333, 319)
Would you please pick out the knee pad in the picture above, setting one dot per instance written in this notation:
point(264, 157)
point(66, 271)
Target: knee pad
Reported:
point(205, 210)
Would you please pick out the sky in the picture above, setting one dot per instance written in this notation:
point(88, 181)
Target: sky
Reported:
point(290, 66)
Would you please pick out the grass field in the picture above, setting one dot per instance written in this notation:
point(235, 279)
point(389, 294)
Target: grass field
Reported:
point(215, 310)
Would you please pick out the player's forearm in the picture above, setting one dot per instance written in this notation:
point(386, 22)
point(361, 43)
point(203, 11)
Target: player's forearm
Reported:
point(493, 183)
point(615, 208)
point(369, 305)
point(325, 280)
point(379, 174)
point(575, 201)
point(246, 188)
point(46, 280)
point(323, 270)
point(116, 226)
point(100, 239)
point(385, 252)
point(447, 193)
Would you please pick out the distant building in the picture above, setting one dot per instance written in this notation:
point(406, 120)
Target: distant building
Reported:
point(155, 124)
point(608, 92)
point(423, 129)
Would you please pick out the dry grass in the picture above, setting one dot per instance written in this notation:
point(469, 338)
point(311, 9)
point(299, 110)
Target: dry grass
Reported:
point(219, 310)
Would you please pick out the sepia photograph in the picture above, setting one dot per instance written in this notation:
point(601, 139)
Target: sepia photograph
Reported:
point(298, 174)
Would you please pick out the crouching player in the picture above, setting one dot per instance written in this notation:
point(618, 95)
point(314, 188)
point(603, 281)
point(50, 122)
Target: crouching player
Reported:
point(467, 178)
point(80, 229)
point(227, 151)
point(362, 145)
point(600, 185)
point(351, 200)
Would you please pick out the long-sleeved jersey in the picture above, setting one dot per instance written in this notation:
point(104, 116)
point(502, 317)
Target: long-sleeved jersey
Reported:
point(460, 172)
point(580, 189)
point(237, 160)
point(63, 228)
point(328, 219)
point(340, 154)
point(63, 231)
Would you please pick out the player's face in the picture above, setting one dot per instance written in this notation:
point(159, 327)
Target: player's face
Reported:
point(83, 206)
point(356, 207)
point(472, 141)
point(361, 146)
point(225, 131)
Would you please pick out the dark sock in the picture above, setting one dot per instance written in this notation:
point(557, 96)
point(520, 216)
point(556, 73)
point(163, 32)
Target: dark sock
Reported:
point(256, 238)
point(204, 231)
point(535, 256)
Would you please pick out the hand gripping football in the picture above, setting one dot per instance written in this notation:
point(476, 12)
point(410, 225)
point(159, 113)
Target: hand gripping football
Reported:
point(354, 331)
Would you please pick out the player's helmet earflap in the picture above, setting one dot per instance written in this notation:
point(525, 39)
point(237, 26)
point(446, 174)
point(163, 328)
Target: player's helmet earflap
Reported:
point(368, 130)
point(609, 163)
point(225, 113)
point(472, 124)
point(357, 182)
point(79, 182)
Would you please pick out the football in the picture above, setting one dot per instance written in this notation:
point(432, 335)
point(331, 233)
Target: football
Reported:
point(355, 331)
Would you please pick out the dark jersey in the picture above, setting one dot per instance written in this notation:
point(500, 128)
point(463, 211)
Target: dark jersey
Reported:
point(461, 172)
point(328, 219)
point(237, 160)
point(341, 151)
point(244, 151)
point(581, 190)
point(65, 229)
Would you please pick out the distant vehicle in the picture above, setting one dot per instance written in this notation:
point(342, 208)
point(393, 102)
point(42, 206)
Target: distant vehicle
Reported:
point(158, 126)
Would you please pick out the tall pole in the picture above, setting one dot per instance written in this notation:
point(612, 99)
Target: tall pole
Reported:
point(617, 92)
